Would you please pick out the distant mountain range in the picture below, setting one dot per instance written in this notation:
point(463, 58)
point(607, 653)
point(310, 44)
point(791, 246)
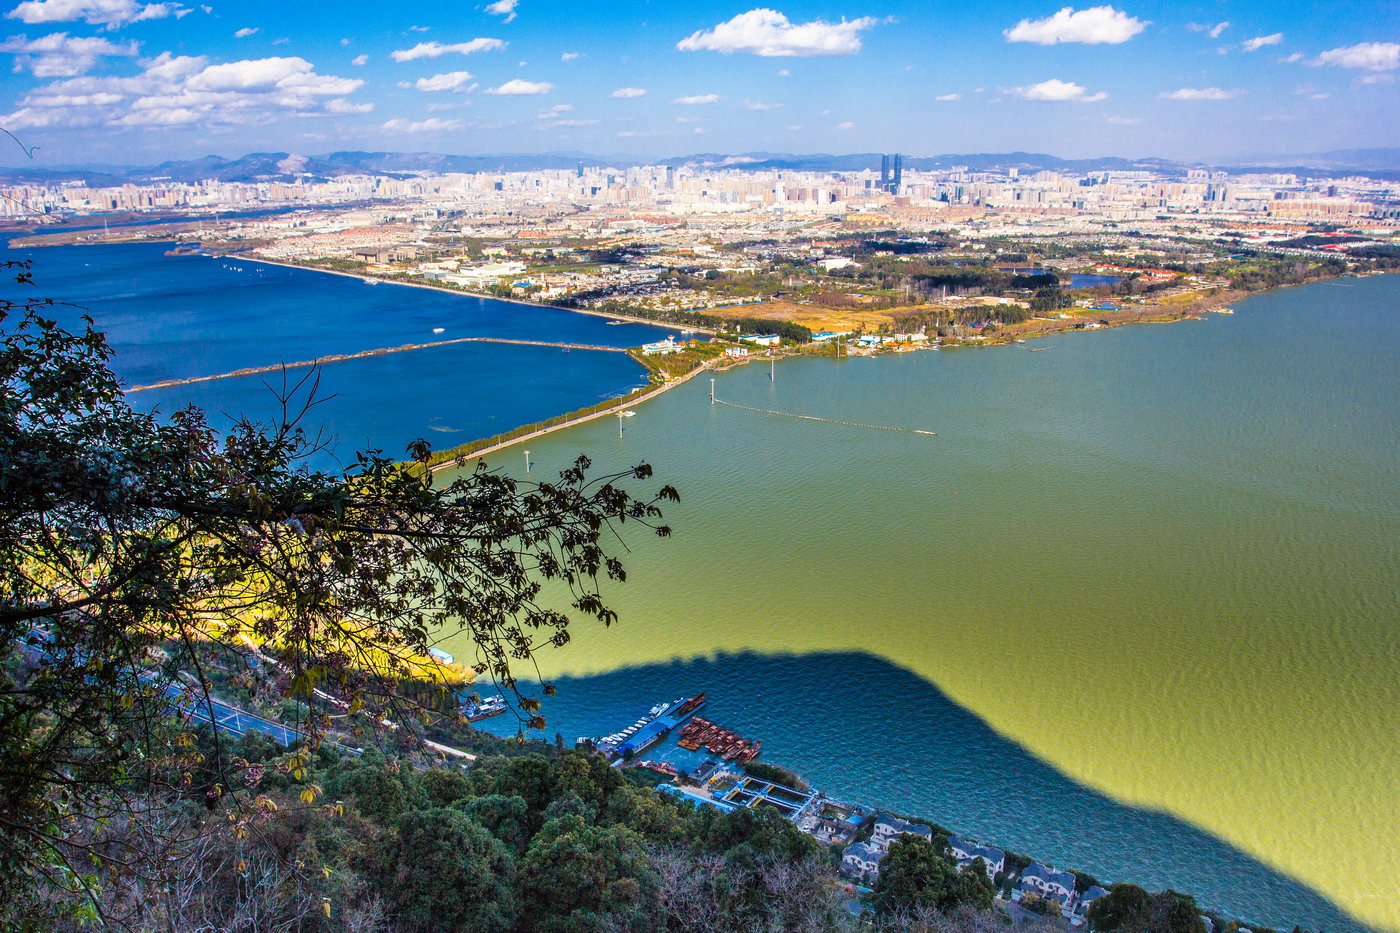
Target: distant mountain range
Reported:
point(269, 166)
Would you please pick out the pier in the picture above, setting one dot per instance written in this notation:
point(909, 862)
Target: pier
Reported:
point(342, 357)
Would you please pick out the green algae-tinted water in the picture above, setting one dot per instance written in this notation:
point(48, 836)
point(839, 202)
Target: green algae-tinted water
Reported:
point(1162, 560)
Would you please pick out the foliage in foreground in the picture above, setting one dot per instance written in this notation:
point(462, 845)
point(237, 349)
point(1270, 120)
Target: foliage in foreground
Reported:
point(529, 844)
point(129, 544)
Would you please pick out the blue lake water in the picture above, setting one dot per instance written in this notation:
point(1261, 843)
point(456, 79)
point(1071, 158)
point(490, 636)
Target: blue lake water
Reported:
point(171, 317)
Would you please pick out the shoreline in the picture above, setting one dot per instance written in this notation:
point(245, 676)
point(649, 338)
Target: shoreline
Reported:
point(1006, 336)
point(466, 294)
point(462, 461)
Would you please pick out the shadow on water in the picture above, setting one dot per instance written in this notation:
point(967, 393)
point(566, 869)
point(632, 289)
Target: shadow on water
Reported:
point(828, 717)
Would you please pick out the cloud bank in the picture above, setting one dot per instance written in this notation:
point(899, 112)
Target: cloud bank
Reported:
point(1099, 25)
point(769, 33)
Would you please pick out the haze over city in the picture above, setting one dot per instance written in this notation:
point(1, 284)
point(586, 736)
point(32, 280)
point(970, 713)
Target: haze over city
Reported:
point(123, 81)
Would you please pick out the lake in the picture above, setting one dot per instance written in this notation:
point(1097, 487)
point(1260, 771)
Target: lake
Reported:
point(1134, 610)
point(171, 317)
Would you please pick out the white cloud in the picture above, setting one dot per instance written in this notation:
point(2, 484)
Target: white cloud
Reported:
point(555, 110)
point(186, 90)
point(516, 88)
point(451, 81)
point(246, 31)
point(436, 49)
point(568, 56)
point(1378, 78)
point(73, 100)
point(59, 56)
point(948, 97)
point(504, 8)
point(430, 125)
point(419, 28)
point(769, 33)
point(344, 106)
point(794, 127)
point(1258, 42)
point(759, 105)
point(1057, 90)
point(28, 118)
point(360, 60)
point(1123, 121)
point(629, 92)
point(108, 13)
point(566, 124)
point(696, 99)
point(1367, 56)
point(1199, 93)
point(783, 72)
point(848, 125)
point(1218, 28)
point(1099, 25)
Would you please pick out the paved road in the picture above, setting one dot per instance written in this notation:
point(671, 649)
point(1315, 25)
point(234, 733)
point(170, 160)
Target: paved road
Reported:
point(228, 718)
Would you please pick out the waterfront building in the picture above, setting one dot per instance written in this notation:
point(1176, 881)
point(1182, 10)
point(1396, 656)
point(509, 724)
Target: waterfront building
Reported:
point(888, 827)
point(1049, 883)
point(966, 852)
point(763, 340)
point(862, 861)
point(1079, 910)
point(663, 347)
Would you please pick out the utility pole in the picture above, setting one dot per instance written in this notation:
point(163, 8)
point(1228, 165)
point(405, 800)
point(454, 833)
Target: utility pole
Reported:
point(772, 363)
point(712, 391)
point(527, 463)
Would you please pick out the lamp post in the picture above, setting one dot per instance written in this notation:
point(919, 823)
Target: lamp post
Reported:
point(620, 416)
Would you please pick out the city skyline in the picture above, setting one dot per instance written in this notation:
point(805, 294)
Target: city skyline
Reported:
point(121, 81)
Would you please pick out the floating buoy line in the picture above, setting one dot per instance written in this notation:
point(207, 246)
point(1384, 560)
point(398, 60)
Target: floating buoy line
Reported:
point(849, 424)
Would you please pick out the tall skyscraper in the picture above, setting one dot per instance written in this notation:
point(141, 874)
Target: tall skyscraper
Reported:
point(580, 168)
point(891, 172)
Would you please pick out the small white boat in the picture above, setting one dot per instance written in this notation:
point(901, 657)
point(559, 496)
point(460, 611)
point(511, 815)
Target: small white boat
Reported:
point(438, 330)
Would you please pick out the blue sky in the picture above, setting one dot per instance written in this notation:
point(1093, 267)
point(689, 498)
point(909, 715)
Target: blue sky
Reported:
point(135, 82)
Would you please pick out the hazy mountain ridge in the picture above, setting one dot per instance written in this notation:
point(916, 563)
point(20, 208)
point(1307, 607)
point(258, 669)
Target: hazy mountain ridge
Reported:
point(273, 166)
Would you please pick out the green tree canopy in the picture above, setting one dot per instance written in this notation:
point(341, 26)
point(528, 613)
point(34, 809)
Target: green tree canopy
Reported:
point(575, 875)
point(914, 875)
point(448, 873)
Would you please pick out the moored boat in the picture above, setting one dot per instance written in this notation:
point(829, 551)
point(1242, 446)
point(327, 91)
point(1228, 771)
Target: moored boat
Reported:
point(485, 708)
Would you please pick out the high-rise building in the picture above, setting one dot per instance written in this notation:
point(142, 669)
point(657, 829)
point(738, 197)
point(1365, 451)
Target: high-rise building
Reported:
point(580, 168)
point(891, 172)
point(670, 176)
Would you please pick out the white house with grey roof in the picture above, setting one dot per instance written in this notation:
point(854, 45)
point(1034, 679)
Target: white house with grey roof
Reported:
point(1050, 883)
point(862, 861)
point(888, 828)
point(1079, 911)
point(966, 852)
